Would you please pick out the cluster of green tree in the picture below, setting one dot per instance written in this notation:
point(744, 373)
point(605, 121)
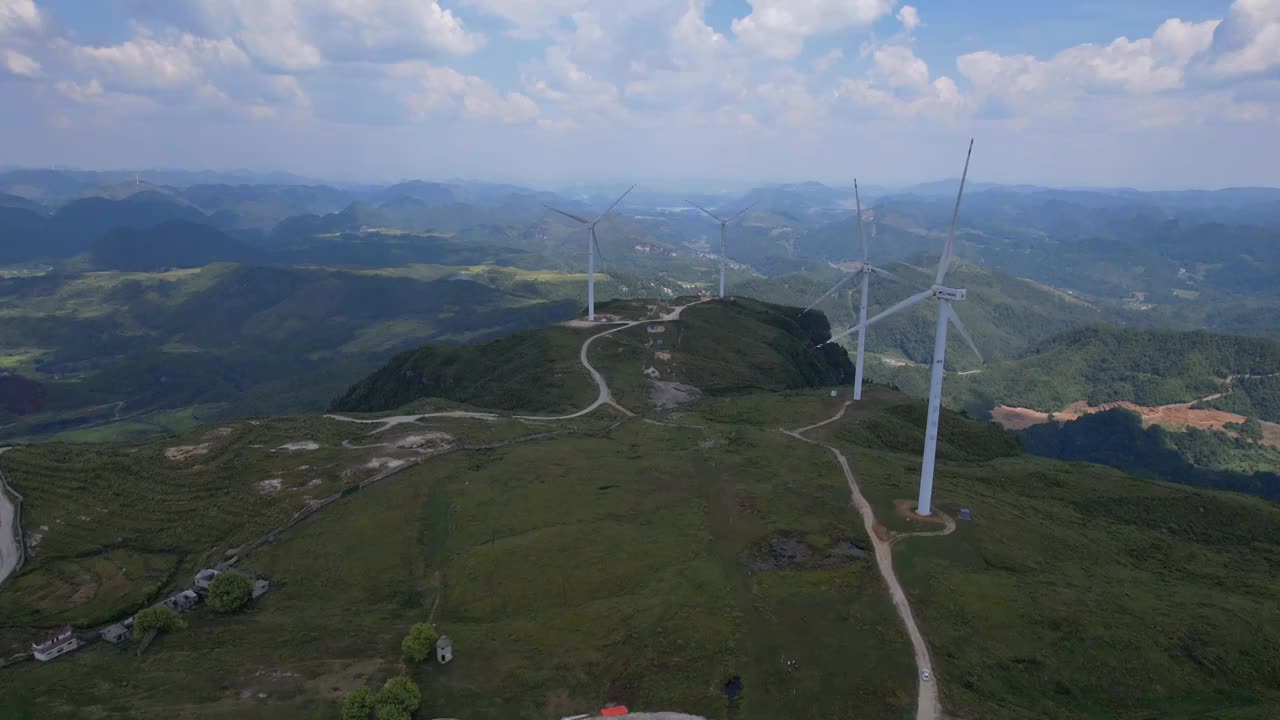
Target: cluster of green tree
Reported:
point(1103, 364)
point(1257, 397)
point(397, 700)
point(1004, 313)
point(1117, 438)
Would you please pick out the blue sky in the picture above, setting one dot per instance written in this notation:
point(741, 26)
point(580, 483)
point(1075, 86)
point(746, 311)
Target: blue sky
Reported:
point(1144, 93)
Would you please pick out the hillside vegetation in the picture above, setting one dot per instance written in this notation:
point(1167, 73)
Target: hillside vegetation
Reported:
point(649, 564)
point(1109, 364)
point(718, 347)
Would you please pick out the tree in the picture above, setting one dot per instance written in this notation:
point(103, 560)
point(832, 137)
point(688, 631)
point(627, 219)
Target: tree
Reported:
point(399, 693)
point(393, 713)
point(420, 642)
point(229, 592)
point(159, 618)
point(358, 705)
point(1251, 429)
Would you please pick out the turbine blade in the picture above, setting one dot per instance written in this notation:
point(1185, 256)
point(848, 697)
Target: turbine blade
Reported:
point(842, 281)
point(862, 238)
point(596, 242)
point(917, 298)
point(615, 204)
point(881, 272)
point(949, 250)
point(713, 215)
point(739, 213)
point(955, 320)
point(582, 220)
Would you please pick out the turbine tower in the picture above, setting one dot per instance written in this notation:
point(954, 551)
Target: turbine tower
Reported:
point(724, 223)
point(592, 248)
point(945, 296)
point(866, 270)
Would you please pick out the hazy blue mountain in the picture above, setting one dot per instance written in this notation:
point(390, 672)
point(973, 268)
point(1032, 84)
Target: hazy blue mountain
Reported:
point(171, 244)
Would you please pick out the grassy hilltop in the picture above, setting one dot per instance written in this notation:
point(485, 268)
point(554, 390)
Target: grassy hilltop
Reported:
point(646, 560)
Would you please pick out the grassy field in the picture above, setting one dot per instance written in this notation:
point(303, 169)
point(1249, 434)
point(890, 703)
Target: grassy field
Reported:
point(650, 565)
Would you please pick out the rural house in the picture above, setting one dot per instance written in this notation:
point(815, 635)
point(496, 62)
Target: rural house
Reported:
point(205, 577)
point(62, 641)
point(183, 601)
point(115, 633)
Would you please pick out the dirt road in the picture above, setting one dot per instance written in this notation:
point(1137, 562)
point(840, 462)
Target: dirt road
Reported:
point(9, 549)
point(603, 397)
point(928, 707)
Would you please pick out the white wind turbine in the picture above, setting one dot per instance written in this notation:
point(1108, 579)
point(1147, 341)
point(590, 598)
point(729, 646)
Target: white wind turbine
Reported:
point(592, 248)
point(724, 223)
point(866, 270)
point(945, 296)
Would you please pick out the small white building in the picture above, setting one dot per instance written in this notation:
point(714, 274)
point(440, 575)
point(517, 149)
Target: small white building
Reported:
point(115, 634)
point(60, 642)
point(444, 649)
point(205, 577)
point(183, 601)
point(260, 588)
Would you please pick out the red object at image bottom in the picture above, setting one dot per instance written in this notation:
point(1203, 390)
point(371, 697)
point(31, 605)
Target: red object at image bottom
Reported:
point(614, 711)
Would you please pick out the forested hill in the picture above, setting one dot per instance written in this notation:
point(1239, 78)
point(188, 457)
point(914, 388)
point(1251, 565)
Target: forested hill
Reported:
point(718, 347)
point(1110, 364)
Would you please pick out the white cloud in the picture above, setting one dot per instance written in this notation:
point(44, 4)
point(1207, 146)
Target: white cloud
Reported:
point(558, 79)
point(304, 34)
point(19, 16)
point(21, 65)
point(1248, 40)
point(529, 18)
point(909, 17)
point(898, 83)
point(1023, 84)
point(779, 28)
point(827, 60)
point(437, 89)
point(898, 67)
point(150, 62)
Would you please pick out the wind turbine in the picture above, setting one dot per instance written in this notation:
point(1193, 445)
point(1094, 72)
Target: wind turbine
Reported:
point(945, 296)
point(592, 248)
point(724, 223)
point(866, 270)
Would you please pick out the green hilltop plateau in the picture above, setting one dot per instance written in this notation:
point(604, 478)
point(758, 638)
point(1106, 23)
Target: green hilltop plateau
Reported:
point(648, 552)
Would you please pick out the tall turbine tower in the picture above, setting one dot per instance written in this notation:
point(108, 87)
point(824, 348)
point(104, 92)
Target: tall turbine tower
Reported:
point(592, 248)
point(945, 296)
point(866, 270)
point(723, 242)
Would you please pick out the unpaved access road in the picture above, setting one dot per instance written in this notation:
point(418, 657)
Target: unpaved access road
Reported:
point(603, 397)
point(928, 706)
point(9, 548)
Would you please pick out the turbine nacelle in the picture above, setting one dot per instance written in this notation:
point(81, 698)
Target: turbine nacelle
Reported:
point(942, 292)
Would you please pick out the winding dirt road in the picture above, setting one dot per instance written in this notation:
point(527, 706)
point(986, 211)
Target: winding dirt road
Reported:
point(928, 706)
point(604, 397)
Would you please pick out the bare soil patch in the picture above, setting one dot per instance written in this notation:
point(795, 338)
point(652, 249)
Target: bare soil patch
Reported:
point(665, 394)
point(178, 453)
point(907, 509)
point(1177, 416)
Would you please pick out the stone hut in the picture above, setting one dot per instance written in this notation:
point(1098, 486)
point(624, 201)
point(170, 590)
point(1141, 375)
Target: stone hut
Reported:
point(444, 649)
point(115, 633)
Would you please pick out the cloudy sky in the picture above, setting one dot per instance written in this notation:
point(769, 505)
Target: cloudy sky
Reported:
point(1146, 93)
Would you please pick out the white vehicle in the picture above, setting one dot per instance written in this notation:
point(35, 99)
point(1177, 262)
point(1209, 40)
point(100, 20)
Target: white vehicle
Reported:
point(924, 675)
